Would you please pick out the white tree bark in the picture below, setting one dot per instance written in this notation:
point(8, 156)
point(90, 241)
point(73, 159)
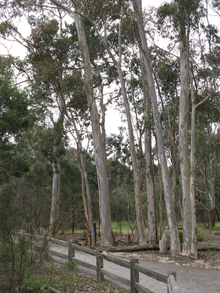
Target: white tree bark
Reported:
point(99, 147)
point(183, 144)
point(151, 209)
point(137, 180)
point(55, 202)
point(193, 250)
point(174, 236)
point(137, 187)
point(55, 198)
point(88, 212)
point(84, 48)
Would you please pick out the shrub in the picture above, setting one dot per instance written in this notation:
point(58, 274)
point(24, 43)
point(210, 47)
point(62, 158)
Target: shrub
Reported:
point(200, 238)
point(19, 255)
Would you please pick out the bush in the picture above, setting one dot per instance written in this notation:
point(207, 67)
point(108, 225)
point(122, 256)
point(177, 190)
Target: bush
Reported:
point(19, 256)
point(200, 238)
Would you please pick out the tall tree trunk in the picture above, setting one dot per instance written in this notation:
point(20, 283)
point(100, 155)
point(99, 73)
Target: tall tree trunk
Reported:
point(137, 186)
point(54, 227)
point(84, 198)
point(183, 143)
point(58, 127)
point(99, 148)
point(194, 250)
point(95, 126)
point(137, 180)
point(212, 200)
point(151, 207)
point(173, 175)
point(174, 236)
point(88, 203)
point(161, 193)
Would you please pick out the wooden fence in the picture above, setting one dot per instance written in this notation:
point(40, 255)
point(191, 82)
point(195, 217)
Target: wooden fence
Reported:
point(133, 266)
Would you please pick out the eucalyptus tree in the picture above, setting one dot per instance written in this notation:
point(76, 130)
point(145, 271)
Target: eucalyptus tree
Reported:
point(188, 17)
point(116, 20)
point(84, 181)
point(48, 65)
point(99, 144)
point(141, 117)
point(186, 23)
point(124, 20)
point(174, 237)
point(151, 201)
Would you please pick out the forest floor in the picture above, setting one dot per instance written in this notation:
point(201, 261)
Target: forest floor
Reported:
point(67, 281)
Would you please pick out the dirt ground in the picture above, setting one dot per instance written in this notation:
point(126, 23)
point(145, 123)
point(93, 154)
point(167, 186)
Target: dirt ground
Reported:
point(206, 259)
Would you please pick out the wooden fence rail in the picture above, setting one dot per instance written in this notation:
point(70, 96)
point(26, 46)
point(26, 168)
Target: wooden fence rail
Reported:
point(133, 266)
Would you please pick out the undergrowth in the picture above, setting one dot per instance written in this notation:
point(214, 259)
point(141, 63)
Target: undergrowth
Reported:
point(66, 280)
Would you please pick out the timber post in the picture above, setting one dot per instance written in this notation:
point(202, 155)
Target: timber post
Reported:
point(99, 264)
point(172, 286)
point(134, 274)
point(71, 250)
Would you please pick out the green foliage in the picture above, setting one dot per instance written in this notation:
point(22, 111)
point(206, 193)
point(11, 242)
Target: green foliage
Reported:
point(54, 66)
point(18, 256)
point(212, 251)
point(71, 205)
point(181, 236)
point(181, 15)
point(31, 282)
point(70, 266)
point(200, 237)
point(15, 119)
point(169, 78)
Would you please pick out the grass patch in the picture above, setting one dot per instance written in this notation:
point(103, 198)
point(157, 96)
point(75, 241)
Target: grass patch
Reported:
point(121, 227)
point(207, 231)
point(212, 251)
point(124, 228)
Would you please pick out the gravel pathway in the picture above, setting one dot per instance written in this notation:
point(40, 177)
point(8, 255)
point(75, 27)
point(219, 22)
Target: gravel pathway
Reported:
point(189, 279)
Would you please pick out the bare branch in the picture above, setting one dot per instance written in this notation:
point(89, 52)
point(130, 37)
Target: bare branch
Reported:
point(203, 101)
point(201, 204)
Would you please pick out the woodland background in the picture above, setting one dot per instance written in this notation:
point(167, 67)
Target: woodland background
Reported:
point(161, 169)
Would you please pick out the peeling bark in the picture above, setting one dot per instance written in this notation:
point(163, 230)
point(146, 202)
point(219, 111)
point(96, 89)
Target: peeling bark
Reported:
point(183, 144)
point(54, 228)
point(174, 236)
point(194, 249)
point(151, 207)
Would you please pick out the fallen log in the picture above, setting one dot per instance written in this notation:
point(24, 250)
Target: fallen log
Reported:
point(202, 246)
point(133, 248)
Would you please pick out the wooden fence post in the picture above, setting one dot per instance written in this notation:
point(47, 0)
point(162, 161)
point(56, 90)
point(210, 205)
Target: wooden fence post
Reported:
point(172, 286)
point(99, 264)
point(71, 250)
point(134, 274)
